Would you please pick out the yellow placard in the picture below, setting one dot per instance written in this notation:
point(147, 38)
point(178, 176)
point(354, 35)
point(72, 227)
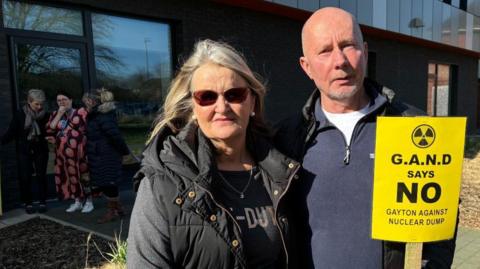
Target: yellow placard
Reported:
point(418, 167)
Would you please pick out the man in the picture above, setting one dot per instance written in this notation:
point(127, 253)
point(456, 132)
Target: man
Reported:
point(334, 137)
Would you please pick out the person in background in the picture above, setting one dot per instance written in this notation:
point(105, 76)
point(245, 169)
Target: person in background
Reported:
point(212, 186)
point(334, 137)
point(28, 128)
point(66, 129)
point(105, 150)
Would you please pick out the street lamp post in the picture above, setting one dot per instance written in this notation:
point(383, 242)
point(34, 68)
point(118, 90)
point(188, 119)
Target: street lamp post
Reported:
point(146, 40)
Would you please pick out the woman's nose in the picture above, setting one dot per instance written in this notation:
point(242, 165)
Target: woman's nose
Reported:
point(221, 105)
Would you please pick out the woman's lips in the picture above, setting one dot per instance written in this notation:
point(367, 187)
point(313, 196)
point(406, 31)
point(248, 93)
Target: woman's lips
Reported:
point(223, 119)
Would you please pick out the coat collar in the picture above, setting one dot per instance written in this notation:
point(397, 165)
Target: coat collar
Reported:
point(378, 95)
point(190, 155)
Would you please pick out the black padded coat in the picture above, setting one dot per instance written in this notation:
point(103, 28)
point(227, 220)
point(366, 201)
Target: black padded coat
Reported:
point(177, 222)
point(105, 148)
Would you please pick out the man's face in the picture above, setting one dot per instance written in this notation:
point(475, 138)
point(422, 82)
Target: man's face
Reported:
point(334, 58)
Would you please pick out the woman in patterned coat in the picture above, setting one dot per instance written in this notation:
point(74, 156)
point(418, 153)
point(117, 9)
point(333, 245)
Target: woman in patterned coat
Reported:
point(66, 128)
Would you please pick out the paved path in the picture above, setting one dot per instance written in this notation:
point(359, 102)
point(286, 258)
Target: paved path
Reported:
point(467, 251)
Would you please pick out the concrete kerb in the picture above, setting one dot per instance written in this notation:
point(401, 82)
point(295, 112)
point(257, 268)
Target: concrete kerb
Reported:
point(18, 216)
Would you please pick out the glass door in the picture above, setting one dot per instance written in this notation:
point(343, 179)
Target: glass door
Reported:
point(49, 66)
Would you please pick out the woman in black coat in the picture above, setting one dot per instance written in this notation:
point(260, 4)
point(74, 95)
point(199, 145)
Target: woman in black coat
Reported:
point(212, 187)
point(28, 128)
point(105, 149)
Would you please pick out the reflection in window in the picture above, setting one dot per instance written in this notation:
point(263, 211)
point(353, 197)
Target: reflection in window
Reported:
point(405, 17)
point(133, 59)
point(446, 24)
point(437, 21)
point(416, 24)
point(427, 31)
point(476, 34)
point(329, 3)
point(41, 18)
point(308, 5)
point(365, 12)
point(393, 16)
point(379, 14)
point(461, 28)
point(349, 5)
point(48, 68)
point(438, 96)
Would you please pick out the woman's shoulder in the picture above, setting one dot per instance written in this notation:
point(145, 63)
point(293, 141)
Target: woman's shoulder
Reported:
point(157, 180)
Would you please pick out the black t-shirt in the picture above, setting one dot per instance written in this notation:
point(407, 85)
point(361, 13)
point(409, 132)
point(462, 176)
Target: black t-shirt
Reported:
point(254, 213)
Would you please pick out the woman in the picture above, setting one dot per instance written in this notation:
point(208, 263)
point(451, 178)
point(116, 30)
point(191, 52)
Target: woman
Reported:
point(66, 128)
point(212, 187)
point(105, 148)
point(28, 128)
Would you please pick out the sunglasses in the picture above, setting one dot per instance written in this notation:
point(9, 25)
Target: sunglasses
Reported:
point(209, 97)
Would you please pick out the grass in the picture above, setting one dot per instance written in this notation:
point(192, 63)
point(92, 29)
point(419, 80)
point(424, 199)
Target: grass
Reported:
point(117, 257)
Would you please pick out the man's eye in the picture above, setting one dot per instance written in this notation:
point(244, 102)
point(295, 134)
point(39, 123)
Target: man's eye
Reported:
point(324, 52)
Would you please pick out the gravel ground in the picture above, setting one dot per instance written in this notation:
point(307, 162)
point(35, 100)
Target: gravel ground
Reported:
point(470, 194)
point(29, 245)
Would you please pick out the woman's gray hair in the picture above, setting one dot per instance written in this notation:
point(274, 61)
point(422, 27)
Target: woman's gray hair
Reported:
point(35, 95)
point(178, 107)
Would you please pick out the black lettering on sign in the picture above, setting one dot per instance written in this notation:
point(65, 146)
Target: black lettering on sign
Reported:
point(427, 159)
point(397, 159)
point(402, 190)
point(446, 159)
point(420, 174)
point(431, 159)
point(412, 194)
point(437, 189)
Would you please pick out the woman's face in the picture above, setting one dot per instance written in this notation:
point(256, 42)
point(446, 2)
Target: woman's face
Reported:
point(220, 117)
point(36, 105)
point(64, 101)
point(88, 102)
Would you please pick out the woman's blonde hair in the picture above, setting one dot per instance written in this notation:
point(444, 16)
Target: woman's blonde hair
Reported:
point(105, 95)
point(35, 95)
point(178, 107)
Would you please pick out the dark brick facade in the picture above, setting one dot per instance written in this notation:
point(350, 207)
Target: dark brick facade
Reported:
point(405, 68)
point(272, 46)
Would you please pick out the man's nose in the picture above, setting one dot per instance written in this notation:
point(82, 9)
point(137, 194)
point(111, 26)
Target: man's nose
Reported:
point(339, 58)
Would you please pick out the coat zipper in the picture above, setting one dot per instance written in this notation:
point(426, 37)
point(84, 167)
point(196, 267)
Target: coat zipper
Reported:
point(276, 213)
point(348, 151)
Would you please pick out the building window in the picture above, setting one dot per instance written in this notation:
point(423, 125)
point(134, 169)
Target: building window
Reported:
point(439, 95)
point(48, 68)
point(24, 16)
point(133, 60)
point(463, 5)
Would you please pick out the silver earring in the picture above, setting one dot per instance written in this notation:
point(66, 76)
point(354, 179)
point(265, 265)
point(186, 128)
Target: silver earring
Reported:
point(194, 117)
point(252, 114)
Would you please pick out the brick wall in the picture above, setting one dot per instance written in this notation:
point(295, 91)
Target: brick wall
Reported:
point(404, 68)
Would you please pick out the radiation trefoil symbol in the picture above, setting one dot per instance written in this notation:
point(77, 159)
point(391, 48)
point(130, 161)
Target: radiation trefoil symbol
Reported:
point(423, 136)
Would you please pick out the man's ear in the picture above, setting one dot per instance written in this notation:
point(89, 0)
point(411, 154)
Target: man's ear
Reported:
point(305, 66)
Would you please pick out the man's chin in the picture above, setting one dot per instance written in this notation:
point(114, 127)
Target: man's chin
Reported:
point(342, 94)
